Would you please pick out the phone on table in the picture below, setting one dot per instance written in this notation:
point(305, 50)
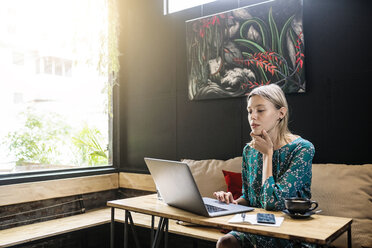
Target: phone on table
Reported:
point(265, 218)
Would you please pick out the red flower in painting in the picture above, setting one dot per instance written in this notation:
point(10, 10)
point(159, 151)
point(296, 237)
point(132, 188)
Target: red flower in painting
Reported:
point(201, 33)
point(299, 56)
point(206, 23)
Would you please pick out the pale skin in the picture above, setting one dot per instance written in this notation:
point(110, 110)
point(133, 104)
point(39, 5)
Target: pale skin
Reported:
point(263, 118)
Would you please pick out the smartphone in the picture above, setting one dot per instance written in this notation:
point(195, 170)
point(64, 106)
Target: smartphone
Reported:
point(265, 218)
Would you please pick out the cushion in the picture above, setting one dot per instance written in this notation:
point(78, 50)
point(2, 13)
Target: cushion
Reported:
point(346, 191)
point(234, 183)
point(208, 173)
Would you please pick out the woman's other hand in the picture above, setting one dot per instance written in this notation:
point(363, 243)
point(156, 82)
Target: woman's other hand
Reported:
point(262, 143)
point(226, 197)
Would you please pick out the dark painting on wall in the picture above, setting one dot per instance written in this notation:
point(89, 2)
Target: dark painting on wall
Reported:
point(231, 53)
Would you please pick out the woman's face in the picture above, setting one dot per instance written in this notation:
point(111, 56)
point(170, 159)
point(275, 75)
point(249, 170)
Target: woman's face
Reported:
point(262, 114)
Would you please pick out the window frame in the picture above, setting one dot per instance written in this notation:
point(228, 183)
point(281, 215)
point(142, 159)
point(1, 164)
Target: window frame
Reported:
point(36, 176)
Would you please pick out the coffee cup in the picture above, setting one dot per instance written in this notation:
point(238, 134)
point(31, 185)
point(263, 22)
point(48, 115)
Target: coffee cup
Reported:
point(300, 205)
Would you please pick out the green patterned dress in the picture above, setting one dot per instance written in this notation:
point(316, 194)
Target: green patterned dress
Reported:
point(291, 177)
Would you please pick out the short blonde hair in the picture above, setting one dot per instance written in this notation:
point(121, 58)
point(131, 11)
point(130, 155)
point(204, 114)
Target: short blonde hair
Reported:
point(276, 96)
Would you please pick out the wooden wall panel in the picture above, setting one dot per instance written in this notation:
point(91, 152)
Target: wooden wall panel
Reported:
point(36, 191)
point(136, 181)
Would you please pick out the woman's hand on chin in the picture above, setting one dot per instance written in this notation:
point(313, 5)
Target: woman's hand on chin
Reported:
point(262, 143)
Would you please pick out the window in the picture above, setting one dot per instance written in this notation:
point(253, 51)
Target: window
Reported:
point(171, 6)
point(54, 90)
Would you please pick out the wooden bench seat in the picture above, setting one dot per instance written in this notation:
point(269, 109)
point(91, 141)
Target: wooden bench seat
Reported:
point(37, 231)
point(41, 230)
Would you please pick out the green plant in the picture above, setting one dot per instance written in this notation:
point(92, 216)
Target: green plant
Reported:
point(46, 139)
point(39, 139)
point(88, 142)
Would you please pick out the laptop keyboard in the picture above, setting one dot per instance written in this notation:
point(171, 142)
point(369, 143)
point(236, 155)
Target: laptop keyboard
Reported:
point(212, 209)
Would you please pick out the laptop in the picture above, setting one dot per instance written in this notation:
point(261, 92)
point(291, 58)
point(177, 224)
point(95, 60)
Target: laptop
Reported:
point(177, 187)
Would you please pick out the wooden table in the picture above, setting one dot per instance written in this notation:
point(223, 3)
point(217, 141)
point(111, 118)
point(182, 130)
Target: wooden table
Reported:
point(318, 229)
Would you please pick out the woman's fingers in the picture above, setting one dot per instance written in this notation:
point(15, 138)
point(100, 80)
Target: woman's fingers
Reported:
point(227, 197)
point(219, 195)
point(265, 136)
point(224, 196)
point(259, 139)
point(231, 198)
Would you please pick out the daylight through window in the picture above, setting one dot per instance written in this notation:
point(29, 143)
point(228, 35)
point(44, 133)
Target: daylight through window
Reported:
point(53, 97)
point(171, 6)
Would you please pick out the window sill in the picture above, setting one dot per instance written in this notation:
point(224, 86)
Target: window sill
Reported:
point(35, 176)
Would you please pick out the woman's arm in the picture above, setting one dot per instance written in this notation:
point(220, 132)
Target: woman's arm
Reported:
point(263, 144)
point(242, 201)
point(267, 167)
point(296, 181)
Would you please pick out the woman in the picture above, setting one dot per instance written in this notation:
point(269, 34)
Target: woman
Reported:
point(276, 164)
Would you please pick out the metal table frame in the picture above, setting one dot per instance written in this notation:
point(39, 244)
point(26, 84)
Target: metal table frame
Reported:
point(155, 239)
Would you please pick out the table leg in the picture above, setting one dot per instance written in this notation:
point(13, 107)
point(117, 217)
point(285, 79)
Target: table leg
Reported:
point(349, 237)
point(152, 229)
point(158, 233)
point(194, 244)
point(126, 229)
point(134, 234)
point(166, 233)
point(112, 231)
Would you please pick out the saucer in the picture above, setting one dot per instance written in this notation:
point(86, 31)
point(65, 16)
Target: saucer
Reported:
point(300, 216)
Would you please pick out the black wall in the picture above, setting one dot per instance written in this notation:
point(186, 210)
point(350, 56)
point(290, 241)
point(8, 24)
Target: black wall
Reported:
point(158, 120)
